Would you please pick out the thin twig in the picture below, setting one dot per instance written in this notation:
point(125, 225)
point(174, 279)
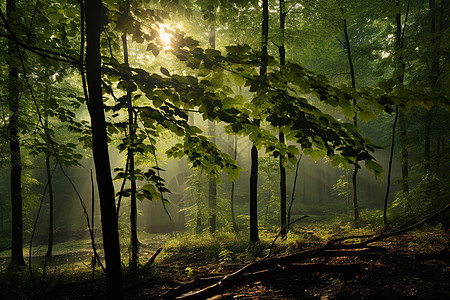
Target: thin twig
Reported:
point(157, 167)
point(281, 230)
point(293, 189)
point(34, 230)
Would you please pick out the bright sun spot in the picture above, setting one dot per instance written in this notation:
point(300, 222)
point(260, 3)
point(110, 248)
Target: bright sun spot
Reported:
point(385, 54)
point(165, 38)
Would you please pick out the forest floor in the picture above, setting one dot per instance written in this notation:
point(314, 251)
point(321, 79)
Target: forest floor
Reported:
point(414, 265)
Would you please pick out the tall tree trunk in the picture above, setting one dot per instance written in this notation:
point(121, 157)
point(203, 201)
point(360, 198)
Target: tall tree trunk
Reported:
point(131, 160)
point(402, 117)
point(130, 153)
point(254, 236)
point(233, 218)
point(438, 154)
point(390, 167)
point(2, 219)
point(400, 72)
point(48, 255)
point(438, 167)
point(100, 151)
point(198, 218)
point(14, 145)
point(404, 152)
point(435, 84)
point(212, 185)
point(355, 122)
point(282, 52)
point(427, 144)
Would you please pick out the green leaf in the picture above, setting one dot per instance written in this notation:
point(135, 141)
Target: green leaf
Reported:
point(154, 48)
point(374, 167)
point(165, 71)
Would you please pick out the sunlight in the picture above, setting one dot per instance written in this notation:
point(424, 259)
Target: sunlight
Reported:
point(166, 38)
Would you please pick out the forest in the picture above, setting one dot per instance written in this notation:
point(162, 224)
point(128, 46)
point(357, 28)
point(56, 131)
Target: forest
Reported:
point(222, 149)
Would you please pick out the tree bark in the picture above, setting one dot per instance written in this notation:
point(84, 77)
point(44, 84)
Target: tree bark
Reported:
point(283, 200)
point(131, 160)
point(212, 185)
point(15, 148)
point(400, 70)
point(131, 167)
point(355, 121)
point(391, 156)
point(100, 151)
point(2, 219)
point(402, 117)
point(48, 255)
point(233, 218)
point(404, 152)
point(427, 143)
point(254, 236)
point(435, 84)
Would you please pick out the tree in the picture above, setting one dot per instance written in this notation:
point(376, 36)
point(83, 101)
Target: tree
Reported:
point(212, 193)
point(132, 125)
point(49, 253)
point(233, 218)
point(14, 142)
point(254, 236)
point(399, 72)
point(94, 19)
point(282, 52)
point(355, 117)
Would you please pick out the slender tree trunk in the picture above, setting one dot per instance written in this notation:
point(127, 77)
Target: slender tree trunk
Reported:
point(254, 236)
point(130, 153)
point(212, 185)
point(100, 151)
point(355, 193)
point(438, 154)
point(352, 75)
point(233, 218)
point(402, 118)
point(435, 84)
point(15, 149)
point(48, 255)
point(427, 154)
point(198, 219)
point(2, 220)
point(400, 72)
point(404, 152)
point(390, 167)
point(282, 52)
point(293, 191)
point(427, 144)
point(438, 167)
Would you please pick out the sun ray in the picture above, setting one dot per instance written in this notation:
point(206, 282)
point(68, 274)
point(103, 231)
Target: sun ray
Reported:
point(166, 38)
